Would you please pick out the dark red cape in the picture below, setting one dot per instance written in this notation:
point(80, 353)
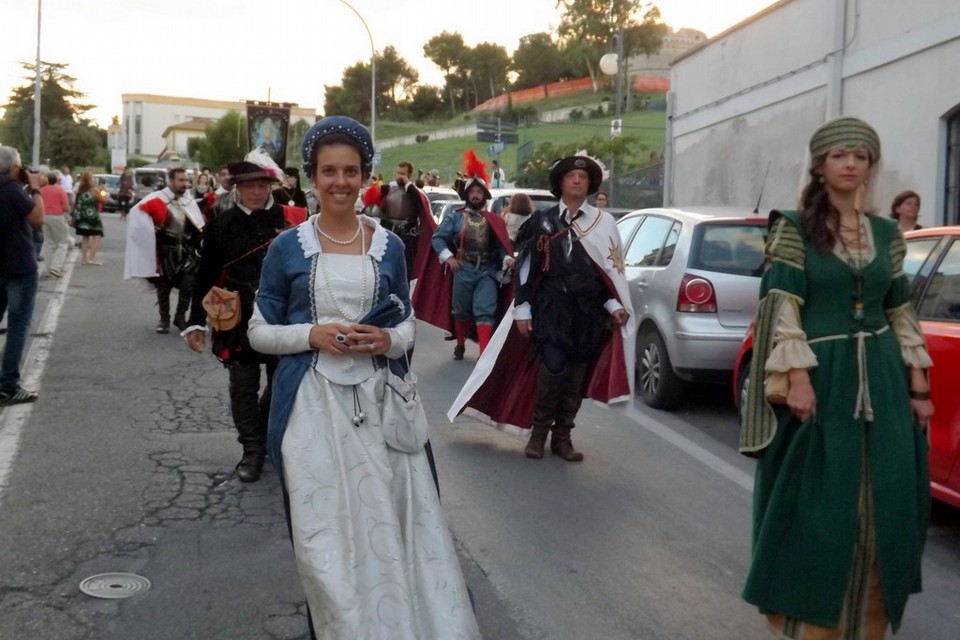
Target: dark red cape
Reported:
point(433, 296)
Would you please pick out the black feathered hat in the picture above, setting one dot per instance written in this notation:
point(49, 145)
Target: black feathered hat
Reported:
point(579, 160)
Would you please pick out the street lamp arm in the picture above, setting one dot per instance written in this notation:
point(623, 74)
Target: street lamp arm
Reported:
point(373, 73)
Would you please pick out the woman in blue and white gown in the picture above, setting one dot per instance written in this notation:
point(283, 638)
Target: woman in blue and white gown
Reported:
point(375, 556)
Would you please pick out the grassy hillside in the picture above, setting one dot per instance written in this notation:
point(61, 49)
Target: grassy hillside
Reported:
point(445, 155)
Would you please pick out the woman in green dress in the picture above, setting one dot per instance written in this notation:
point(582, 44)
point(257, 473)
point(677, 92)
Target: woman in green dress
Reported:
point(842, 496)
point(86, 220)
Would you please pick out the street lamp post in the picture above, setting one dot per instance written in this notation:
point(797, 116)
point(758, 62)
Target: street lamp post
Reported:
point(373, 75)
point(610, 64)
point(36, 94)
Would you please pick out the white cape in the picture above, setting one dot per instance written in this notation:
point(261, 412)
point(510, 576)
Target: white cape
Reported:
point(140, 260)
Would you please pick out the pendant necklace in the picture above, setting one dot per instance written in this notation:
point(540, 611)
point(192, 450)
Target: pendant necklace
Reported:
point(363, 269)
point(856, 268)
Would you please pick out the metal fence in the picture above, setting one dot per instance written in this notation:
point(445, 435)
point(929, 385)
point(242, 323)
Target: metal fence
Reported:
point(636, 189)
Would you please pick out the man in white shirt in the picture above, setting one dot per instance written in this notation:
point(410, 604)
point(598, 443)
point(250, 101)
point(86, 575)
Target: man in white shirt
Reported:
point(66, 181)
point(498, 178)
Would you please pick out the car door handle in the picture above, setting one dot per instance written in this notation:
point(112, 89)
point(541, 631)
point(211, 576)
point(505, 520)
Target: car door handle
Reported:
point(642, 284)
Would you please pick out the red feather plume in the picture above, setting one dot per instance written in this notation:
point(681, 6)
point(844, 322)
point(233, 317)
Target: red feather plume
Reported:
point(472, 166)
point(371, 196)
point(156, 208)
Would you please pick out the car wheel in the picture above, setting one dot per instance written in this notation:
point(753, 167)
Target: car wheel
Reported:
point(743, 388)
point(659, 386)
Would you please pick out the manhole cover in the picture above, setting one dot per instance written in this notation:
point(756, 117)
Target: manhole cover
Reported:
point(114, 585)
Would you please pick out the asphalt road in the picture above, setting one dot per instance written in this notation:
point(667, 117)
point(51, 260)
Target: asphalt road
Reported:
point(125, 465)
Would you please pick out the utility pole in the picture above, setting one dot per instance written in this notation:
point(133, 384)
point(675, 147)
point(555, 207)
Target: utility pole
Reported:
point(36, 95)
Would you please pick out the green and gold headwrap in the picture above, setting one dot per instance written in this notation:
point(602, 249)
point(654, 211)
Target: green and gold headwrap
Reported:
point(847, 132)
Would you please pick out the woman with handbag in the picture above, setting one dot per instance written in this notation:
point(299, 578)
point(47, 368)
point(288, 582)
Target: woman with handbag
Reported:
point(842, 491)
point(347, 430)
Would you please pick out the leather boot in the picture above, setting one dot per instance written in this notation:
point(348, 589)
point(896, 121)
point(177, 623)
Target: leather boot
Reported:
point(538, 438)
point(562, 445)
point(250, 466)
point(183, 306)
point(460, 328)
point(163, 302)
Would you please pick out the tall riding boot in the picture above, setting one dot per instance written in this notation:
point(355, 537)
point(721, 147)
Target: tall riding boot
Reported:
point(246, 410)
point(183, 306)
point(538, 438)
point(571, 398)
point(547, 401)
point(460, 328)
point(163, 303)
point(484, 333)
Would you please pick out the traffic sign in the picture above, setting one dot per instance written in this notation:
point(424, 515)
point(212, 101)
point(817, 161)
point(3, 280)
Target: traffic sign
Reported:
point(496, 148)
point(491, 136)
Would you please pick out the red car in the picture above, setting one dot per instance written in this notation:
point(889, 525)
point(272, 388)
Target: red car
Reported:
point(933, 267)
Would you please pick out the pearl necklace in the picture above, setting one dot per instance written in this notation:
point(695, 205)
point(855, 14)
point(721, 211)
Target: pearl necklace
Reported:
point(334, 240)
point(363, 269)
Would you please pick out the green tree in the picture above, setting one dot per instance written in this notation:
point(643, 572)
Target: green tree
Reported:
point(537, 61)
point(61, 123)
point(224, 141)
point(627, 152)
point(587, 28)
point(487, 65)
point(426, 103)
point(395, 81)
point(447, 50)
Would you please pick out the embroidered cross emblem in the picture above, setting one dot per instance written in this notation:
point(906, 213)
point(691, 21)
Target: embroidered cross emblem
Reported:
point(616, 256)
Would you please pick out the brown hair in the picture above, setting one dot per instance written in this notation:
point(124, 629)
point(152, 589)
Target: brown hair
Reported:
point(521, 204)
point(86, 183)
point(816, 208)
point(902, 197)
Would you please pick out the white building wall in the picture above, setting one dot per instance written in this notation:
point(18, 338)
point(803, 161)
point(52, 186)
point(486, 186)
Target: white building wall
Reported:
point(750, 98)
point(159, 112)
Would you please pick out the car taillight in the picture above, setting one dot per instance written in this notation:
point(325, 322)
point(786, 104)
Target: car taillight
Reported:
point(696, 295)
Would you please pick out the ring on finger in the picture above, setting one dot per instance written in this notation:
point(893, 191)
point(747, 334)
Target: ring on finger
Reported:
point(341, 338)
point(370, 347)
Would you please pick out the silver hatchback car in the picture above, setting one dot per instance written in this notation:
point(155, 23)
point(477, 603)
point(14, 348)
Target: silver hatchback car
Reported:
point(694, 277)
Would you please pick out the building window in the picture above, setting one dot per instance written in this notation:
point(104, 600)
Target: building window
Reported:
point(952, 182)
point(137, 134)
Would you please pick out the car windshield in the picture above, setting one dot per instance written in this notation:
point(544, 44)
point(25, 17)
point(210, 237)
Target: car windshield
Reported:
point(729, 247)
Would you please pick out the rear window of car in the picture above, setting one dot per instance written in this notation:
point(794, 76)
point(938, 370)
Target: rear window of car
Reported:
point(727, 247)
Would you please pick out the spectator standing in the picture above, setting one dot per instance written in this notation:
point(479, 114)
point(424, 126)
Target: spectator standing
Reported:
point(66, 181)
point(56, 205)
point(497, 178)
point(86, 220)
point(20, 211)
point(905, 209)
point(516, 213)
point(125, 193)
point(601, 200)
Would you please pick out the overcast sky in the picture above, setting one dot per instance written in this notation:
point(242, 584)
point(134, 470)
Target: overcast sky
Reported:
point(287, 49)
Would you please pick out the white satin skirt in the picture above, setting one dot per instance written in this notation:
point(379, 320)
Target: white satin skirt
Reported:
point(375, 556)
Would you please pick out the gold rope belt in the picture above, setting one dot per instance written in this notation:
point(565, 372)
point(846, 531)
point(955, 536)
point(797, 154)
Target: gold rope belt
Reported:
point(863, 388)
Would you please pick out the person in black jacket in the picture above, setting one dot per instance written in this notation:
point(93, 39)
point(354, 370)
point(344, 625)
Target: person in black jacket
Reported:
point(234, 246)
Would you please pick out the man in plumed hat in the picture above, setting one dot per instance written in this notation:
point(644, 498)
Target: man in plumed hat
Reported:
point(163, 243)
point(572, 334)
point(473, 245)
point(235, 243)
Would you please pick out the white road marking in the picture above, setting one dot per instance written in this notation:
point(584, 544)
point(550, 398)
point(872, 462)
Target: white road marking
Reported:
point(721, 466)
point(13, 418)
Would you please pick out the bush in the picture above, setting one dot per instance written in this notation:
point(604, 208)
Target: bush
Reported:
point(576, 115)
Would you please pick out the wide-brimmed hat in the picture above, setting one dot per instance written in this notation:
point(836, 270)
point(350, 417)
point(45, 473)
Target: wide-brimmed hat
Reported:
point(257, 165)
point(338, 124)
point(579, 160)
